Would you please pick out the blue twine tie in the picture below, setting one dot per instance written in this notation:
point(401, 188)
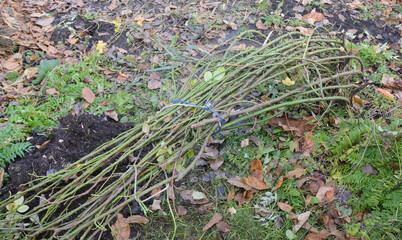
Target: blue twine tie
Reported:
point(206, 107)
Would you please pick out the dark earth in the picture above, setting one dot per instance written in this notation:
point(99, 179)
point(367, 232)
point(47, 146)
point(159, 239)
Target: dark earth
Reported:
point(78, 136)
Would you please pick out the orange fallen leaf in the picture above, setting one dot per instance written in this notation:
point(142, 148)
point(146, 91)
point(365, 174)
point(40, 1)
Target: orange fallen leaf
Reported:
point(88, 95)
point(121, 227)
point(354, 4)
point(279, 184)
point(385, 93)
point(256, 169)
point(285, 207)
point(231, 194)
point(239, 182)
point(309, 142)
point(295, 173)
point(304, 30)
point(255, 183)
point(315, 16)
point(327, 192)
point(260, 25)
point(214, 220)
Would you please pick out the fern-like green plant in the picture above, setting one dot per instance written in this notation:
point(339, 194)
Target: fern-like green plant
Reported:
point(14, 150)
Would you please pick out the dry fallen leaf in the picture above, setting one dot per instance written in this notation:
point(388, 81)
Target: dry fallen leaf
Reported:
point(113, 5)
point(214, 220)
point(244, 143)
point(296, 127)
point(215, 164)
point(231, 194)
point(279, 184)
point(260, 25)
point(327, 192)
point(1, 176)
point(112, 114)
point(285, 207)
point(243, 197)
point(223, 227)
point(154, 84)
point(255, 183)
point(52, 91)
point(314, 16)
point(30, 73)
point(309, 142)
point(232, 210)
point(156, 205)
point(182, 210)
point(304, 30)
point(256, 169)
point(354, 4)
point(88, 95)
point(239, 182)
point(301, 219)
point(385, 93)
point(295, 173)
point(121, 227)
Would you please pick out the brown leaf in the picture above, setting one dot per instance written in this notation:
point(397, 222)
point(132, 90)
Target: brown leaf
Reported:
point(45, 22)
point(279, 184)
point(352, 31)
point(157, 192)
point(30, 73)
point(170, 192)
point(243, 197)
point(315, 16)
point(112, 114)
point(239, 182)
point(343, 19)
point(385, 93)
point(154, 84)
point(321, 235)
point(103, 103)
point(88, 95)
point(182, 211)
point(223, 227)
point(214, 220)
point(285, 207)
point(244, 143)
point(231, 194)
point(137, 219)
point(1, 176)
point(255, 140)
point(113, 5)
point(298, 172)
point(210, 153)
point(121, 228)
point(156, 205)
point(52, 91)
point(256, 169)
point(309, 142)
point(325, 191)
point(354, 4)
point(304, 30)
point(255, 183)
point(391, 82)
point(203, 5)
point(11, 64)
point(260, 25)
point(216, 163)
point(301, 219)
point(123, 76)
point(296, 127)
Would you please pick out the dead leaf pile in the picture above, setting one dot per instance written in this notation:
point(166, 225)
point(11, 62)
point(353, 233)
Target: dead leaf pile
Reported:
point(251, 184)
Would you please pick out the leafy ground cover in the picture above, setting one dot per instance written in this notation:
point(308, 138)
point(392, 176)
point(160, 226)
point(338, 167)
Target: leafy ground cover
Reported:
point(326, 170)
